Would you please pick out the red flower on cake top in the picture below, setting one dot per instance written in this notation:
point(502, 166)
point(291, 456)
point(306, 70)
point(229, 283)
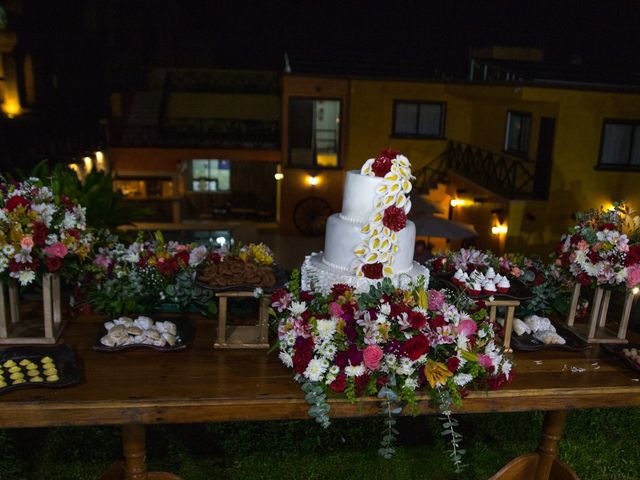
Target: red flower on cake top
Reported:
point(389, 216)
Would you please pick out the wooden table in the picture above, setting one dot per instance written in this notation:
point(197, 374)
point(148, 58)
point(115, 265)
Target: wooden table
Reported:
point(201, 384)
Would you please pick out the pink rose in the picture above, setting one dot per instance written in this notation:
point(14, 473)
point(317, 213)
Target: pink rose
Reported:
point(436, 300)
point(485, 360)
point(516, 272)
point(633, 276)
point(467, 327)
point(102, 261)
point(372, 356)
point(27, 242)
point(56, 250)
point(335, 309)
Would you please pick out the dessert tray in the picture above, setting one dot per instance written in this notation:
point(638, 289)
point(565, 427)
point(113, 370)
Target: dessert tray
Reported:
point(281, 278)
point(528, 343)
point(517, 291)
point(25, 367)
point(134, 339)
point(624, 351)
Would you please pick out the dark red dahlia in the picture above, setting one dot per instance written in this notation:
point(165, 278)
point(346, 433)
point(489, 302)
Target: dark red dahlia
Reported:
point(15, 201)
point(39, 233)
point(394, 218)
point(372, 270)
point(339, 384)
point(415, 347)
point(303, 354)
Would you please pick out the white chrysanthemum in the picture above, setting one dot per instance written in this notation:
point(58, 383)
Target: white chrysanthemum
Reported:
point(506, 368)
point(385, 309)
point(405, 367)
point(326, 328)
point(8, 250)
point(291, 338)
point(334, 370)
point(286, 359)
point(315, 369)
point(45, 211)
point(298, 308)
point(69, 221)
point(461, 379)
point(351, 371)
point(328, 350)
point(25, 277)
point(411, 383)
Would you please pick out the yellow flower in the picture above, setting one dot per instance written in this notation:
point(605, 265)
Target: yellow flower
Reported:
point(436, 373)
point(16, 233)
point(468, 356)
point(423, 299)
point(152, 261)
point(82, 251)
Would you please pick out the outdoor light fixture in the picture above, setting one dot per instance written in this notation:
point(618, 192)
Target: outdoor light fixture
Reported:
point(100, 161)
point(279, 176)
point(88, 164)
point(500, 229)
point(635, 290)
point(459, 202)
point(221, 241)
point(313, 180)
point(76, 168)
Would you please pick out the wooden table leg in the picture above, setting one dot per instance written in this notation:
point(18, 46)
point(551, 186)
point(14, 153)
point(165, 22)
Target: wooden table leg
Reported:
point(134, 466)
point(543, 464)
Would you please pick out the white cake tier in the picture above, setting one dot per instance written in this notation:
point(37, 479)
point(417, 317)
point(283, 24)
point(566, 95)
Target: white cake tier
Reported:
point(317, 276)
point(359, 195)
point(343, 236)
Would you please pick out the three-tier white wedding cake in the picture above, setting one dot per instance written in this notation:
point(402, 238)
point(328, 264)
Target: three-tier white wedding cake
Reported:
point(371, 238)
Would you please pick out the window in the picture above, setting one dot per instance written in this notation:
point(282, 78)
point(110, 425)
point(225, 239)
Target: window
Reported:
point(516, 139)
point(314, 132)
point(210, 175)
point(620, 146)
point(418, 119)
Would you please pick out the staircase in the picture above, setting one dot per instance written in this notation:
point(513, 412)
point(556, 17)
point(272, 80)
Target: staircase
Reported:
point(510, 177)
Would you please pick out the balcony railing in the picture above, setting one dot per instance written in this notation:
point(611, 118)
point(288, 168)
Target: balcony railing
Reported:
point(212, 81)
point(202, 132)
point(510, 177)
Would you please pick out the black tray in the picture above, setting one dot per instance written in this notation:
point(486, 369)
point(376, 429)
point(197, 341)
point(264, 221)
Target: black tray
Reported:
point(527, 343)
point(281, 279)
point(63, 357)
point(185, 329)
point(616, 349)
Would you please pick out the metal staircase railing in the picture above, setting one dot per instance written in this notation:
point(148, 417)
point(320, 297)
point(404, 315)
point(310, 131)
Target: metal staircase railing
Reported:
point(510, 177)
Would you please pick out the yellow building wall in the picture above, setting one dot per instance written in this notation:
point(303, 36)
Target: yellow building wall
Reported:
point(371, 116)
point(223, 105)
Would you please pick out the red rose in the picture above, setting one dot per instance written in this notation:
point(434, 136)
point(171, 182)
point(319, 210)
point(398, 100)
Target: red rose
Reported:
point(372, 270)
point(453, 363)
point(417, 320)
point(53, 264)
point(168, 266)
point(303, 354)
point(182, 258)
point(394, 218)
point(390, 153)
point(437, 321)
point(415, 347)
point(39, 233)
point(16, 201)
point(74, 233)
point(381, 166)
point(339, 384)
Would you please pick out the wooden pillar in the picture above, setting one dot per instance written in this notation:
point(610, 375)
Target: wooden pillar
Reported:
point(135, 457)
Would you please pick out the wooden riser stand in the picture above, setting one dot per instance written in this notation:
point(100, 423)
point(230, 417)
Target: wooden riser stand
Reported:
point(242, 336)
point(595, 330)
point(17, 330)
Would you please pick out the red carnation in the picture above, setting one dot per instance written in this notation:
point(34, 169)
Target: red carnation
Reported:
point(182, 258)
point(417, 320)
point(339, 384)
point(394, 218)
point(303, 354)
point(306, 296)
point(73, 232)
point(381, 166)
point(16, 201)
point(372, 270)
point(53, 264)
point(362, 382)
point(390, 153)
point(633, 256)
point(437, 321)
point(39, 233)
point(168, 266)
point(453, 363)
point(415, 347)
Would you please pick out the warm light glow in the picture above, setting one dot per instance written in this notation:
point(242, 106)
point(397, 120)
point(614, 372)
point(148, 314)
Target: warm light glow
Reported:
point(460, 202)
point(279, 176)
point(11, 108)
point(100, 163)
point(327, 160)
point(88, 164)
point(635, 290)
point(499, 229)
point(76, 168)
point(313, 180)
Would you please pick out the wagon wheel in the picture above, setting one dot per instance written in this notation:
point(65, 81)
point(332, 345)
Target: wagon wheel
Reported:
point(310, 215)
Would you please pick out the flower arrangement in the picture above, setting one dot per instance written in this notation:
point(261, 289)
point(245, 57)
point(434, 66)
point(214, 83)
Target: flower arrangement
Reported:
point(391, 206)
point(39, 231)
point(248, 265)
point(387, 342)
point(603, 249)
point(139, 277)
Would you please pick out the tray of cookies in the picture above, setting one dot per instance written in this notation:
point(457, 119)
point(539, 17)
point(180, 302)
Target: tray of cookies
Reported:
point(24, 367)
point(540, 333)
point(126, 333)
point(629, 353)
